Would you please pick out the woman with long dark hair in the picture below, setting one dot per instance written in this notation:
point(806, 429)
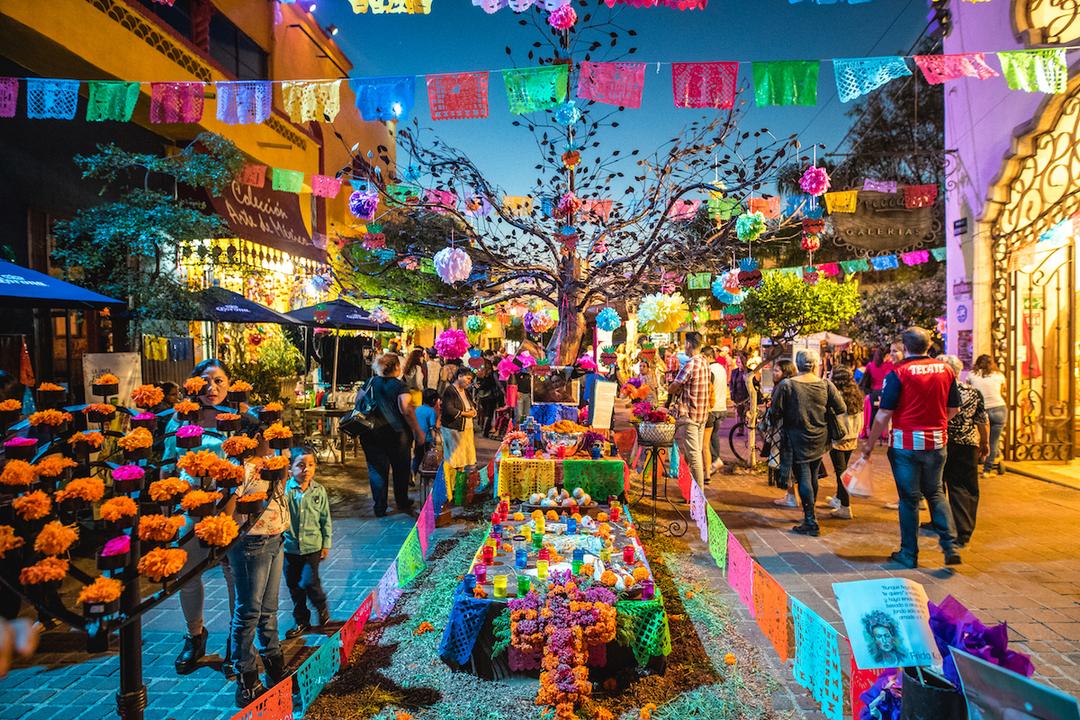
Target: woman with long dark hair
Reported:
point(990, 381)
point(412, 374)
point(487, 395)
point(840, 451)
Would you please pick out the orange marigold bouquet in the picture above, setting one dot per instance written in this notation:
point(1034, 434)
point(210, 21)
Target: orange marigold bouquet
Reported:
point(238, 386)
point(53, 418)
point(53, 465)
point(159, 528)
point(225, 471)
point(93, 438)
point(103, 590)
point(10, 406)
point(137, 439)
point(277, 430)
point(238, 445)
point(273, 407)
point(99, 408)
point(162, 563)
point(197, 464)
point(276, 462)
point(166, 489)
point(32, 506)
point(18, 473)
point(50, 387)
point(117, 508)
point(88, 488)
point(49, 569)
point(186, 406)
point(226, 417)
point(197, 498)
point(218, 530)
point(9, 540)
point(55, 538)
point(252, 497)
point(147, 396)
point(106, 379)
point(195, 385)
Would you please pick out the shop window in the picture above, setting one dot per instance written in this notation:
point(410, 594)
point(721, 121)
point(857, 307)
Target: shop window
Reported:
point(1047, 22)
point(177, 16)
point(235, 51)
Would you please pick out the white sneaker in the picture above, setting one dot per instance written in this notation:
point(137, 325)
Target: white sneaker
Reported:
point(892, 505)
point(834, 503)
point(842, 513)
point(786, 501)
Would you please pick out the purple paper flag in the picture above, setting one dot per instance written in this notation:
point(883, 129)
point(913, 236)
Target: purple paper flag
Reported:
point(883, 186)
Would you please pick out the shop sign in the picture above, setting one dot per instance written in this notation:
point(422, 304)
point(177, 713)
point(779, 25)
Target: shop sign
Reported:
point(881, 222)
point(267, 217)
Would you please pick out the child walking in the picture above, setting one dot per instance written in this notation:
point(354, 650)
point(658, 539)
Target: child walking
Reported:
point(307, 542)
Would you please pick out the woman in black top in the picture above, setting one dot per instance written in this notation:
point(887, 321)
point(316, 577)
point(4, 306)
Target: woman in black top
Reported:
point(458, 414)
point(487, 395)
point(388, 446)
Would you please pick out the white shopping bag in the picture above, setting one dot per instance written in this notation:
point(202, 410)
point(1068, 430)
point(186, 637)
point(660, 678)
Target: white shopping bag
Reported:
point(858, 478)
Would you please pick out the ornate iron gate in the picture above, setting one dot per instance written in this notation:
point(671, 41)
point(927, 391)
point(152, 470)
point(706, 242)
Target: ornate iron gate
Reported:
point(1041, 359)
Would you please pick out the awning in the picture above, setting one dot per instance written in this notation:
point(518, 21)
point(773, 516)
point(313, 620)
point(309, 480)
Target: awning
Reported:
point(341, 315)
point(268, 217)
point(22, 287)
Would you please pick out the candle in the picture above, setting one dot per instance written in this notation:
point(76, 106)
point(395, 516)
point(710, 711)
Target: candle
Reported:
point(491, 542)
point(539, 520)
point(605, 555)
point(538, 540)
point(521, 559)
point(576, 567)
point(545, 554)
point(541, 569)
point(647, 589)
point(628, 554)
point(579, 554)
point(500, 586)
point(489, 555)
point(523, 585)
point(526, 532)
point(470, 582)
point(496, 528)
point(481, 573)
point(571, 526)
point(614, 514)
point(518, 542)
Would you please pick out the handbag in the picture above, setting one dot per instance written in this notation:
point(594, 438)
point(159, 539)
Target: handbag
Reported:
point(365, 417)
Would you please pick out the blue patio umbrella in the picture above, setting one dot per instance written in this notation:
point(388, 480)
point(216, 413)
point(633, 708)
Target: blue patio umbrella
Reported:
point(217, 304)
point(25, 288)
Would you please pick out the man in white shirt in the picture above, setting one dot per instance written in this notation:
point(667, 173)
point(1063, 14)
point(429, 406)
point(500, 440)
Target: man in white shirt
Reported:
point(434, 367)
point(718, 412)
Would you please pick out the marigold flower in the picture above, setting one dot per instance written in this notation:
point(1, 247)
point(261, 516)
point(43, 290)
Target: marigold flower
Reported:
point(55, 538)
point(226, 417)
point(55, 418)
point(32, 505)
point(137, 439)
point(161, 563)
point(50, 387)
point(159, 528)
point(106, 379)
point(729, 659)
point(49, 569)
point(197, 464)
point(93, 438)
point(252, 497)
point(194, 386)
point(10, 406)
point(608, 578)
point(219, 530)
point(197, 498)
point(277, 430)
point(165, 489)
point(240, 386)
point(102, 590)
point(17, 472)
point(641, 573)
point(238, 445)
point(273, 407)
point(479, 592)
point(424, 627)
point(53, 465)
point(116, 508)
point(186, 406)
point(147, 396)
point(602, 517)
point(9, 540)
point(552, 516)
point(276, 462)
point(225, 470)
point(99, 408)
point(89, 489)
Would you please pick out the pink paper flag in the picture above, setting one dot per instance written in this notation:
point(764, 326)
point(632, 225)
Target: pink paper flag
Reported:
point(884, 186)
point(443, 199)
point(597, 209)
point(325, 186)
point(916, 257)
point(683, 210)
point(425, 524)
point(9, 95)
point(352, 628)
point(612, 83)
point(942, 68)
point(740, 572)
point(704, 84)
point(176, 102)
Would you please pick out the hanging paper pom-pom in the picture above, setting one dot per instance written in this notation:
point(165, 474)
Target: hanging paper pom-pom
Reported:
point(571, 158)
point(409, 263)
point(525, 360)
point(452, 344)
point(373, 241)
point(562, 18)
point(474, 324)
point(750, 226)
point(452, 265)
point(810, 276)
point(731, 281)
point(815, 181)
point(717, 288)
point(507, 367)
point(379, 315)
point(568, 205)
point(748, 264)
point(539, 322)
point(567, 113)
point(662, 313)
point(586, 363)
point(364, 203)
point(608, 320)
point(811, 243)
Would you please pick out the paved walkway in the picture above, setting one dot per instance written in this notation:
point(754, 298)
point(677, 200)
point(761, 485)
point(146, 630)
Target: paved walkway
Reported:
point(1022, 566)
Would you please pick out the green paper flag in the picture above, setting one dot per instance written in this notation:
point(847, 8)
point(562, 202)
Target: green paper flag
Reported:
point(410, 559)
point(699, 281)
point(538, 88)
point(786, 82)
point(1035, 70)
point(402, 193)
point(853, 266)
point(718, 538)
point(722, 208)
point(938, 253)
point(111, 100)
point(427, 265)
point(288, 180)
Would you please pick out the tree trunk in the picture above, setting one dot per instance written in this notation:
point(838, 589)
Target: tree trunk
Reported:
point(565, 344)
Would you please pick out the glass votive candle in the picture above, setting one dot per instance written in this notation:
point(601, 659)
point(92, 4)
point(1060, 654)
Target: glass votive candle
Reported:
point(491, 542)
point(521, 558)
point(545, 554)
point(518, 542)
point(605, 555)
point(526, 532)
point(496, 529)
point(628, 554)
point(538, 540)
point(488, 554)
point(470, 582)
point(614, 514)
point(579, 555)
point(575, 567)
point(504, 507)
point(648, 590)
point(499, 585)
point(541, 569)
point(571, 526)
point(523, 585)
point(540, 524)
point(480, 571)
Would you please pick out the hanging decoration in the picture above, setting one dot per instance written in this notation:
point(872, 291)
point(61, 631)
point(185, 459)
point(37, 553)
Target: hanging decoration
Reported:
point(769, 207)
point(749, 226)
point(785, 82)
point(536, 88)
point(938, 69)
point(659, 313)
point(442, 201)
point(815, 181)
point(916, 257)
point(253, 174)
point(452, 265)
point(563, 17)
point(477, 206)
point(884, 262)
point(518, 6)
point(570, 159)
point(9, 96)
point(683, 210)
point(856, 77)
point(474, 324)
point(882, 186)
point(1044, 71)
point(811, 243)
point(373, 239)
point(517, 205)
point(111, 100)
point(919, 196)
point(539, 322)
point(458, 96)
point(608, 320)
point(749, 275)
point(392, 7)
point(402, 194)
point(385, 98)
point(379, 315)
point(291, 181)
point(244, 102)
point(569, 204)
point(705, 84)
point(813, 226)
point(617, 83)
point(568, 113)
point(363, 204)
point(843, 201)
point(311, 101)
point(721, 208)
point(325, 186)
point(48, 99)
point(176, 102)
point(452, 344)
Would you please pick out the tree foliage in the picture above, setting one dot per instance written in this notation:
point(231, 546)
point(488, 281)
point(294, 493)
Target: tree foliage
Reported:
point(888, 309)
point(784, 306)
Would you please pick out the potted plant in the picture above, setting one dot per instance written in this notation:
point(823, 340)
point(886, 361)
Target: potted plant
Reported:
point(608, 355)
point(647, 351)
point(655, 425)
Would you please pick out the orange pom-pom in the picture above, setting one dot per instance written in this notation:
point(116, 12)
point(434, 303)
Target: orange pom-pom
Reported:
point(53, 418)
point(166, 489)
point(55, 538)
point(218, 530)
point(32, 506)
point(161, 563)
point(17, 473)
point(137, 439)
point(49, 569)
point(116, 508)
point(94, 439)
point(102, 590)
point(147, 396)
point(277, 430)
point(240, 386)
point(238, 445)
point(106, 379)
point(194, 386)
point(53, 465)
point(9, 540)
point(159, 528)
point(197, 498)
point(197, 464)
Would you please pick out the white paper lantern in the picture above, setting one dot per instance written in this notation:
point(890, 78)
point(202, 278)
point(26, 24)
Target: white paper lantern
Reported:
point(453, 265)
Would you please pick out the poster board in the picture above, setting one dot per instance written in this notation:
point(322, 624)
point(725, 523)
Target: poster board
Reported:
point(556, 387)
point(888, 623)
point(994, 693)
point(602, 403)
point(124, 365)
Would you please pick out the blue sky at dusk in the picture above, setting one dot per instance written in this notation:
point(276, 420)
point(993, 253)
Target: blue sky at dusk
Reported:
point(459, 37)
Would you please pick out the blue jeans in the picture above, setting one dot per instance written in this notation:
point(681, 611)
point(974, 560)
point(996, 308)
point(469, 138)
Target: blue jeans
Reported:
point(256, 566)
point(302, 579)
point(997, 417)
point(918, 474)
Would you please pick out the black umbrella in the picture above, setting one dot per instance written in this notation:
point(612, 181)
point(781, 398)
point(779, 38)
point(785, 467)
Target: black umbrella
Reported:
point(22, 287)
point(217, 304)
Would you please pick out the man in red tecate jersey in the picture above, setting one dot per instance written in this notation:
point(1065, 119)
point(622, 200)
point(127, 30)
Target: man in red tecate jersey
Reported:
point(918, 398)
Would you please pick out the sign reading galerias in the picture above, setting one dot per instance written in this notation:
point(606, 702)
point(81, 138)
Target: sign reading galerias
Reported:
point(882, 222)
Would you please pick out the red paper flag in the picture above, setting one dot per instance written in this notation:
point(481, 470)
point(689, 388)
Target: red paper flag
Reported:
point(941, 68)
point(704, 84)
point(458, 96)
point(919, 196)
point(769, 207)
point(612, 83)
point(253, 174)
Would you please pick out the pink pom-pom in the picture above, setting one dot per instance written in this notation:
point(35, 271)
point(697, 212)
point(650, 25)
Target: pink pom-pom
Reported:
point(129, 472)
point(586, 363)
point(815, 181)
point(119, 545)
point(507, 367)
point(562, 18)
point(525, 360)
point(452, 344)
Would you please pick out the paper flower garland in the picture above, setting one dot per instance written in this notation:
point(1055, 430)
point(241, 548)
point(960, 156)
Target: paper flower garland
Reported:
point(720, 292)
point(452, 344)
point(363, 204)
point(811, 243)
point(474, 324)
point(608, 320)
point(815, 181)
point(662, 313)
point(452, 265)
point(562, 18)
point(750, 226)
point(379, 315)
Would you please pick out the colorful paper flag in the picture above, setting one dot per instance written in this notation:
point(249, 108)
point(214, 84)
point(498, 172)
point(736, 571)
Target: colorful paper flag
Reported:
point(385, 98)
point(718, 538)
point(858, 76)
point(110, 100)
point(318, 670)
point(616, 83)
point(740, 572)
point(311, 101)
point(705, 84)
point(176, 102)
point(882, 186)
point(683, 210)
point(537, 88)
point(942, 68)
point(9, 96)
point(817, 659)
point(938, 253)
point(325, 186)
point(771, 610)
point(916, 257)
point(50, 99)
point(443, 200)
point(919, 196)
point(244, 102)
point(884, 262)
point(786, 82)
point(517, 205)
point(853, 266)
point(458, 96)
point(354, 626)
point(253, 174)
point(291, 181)
point(843, 201)
point(410, 559)
point(1045, 71)
point(769, 207)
